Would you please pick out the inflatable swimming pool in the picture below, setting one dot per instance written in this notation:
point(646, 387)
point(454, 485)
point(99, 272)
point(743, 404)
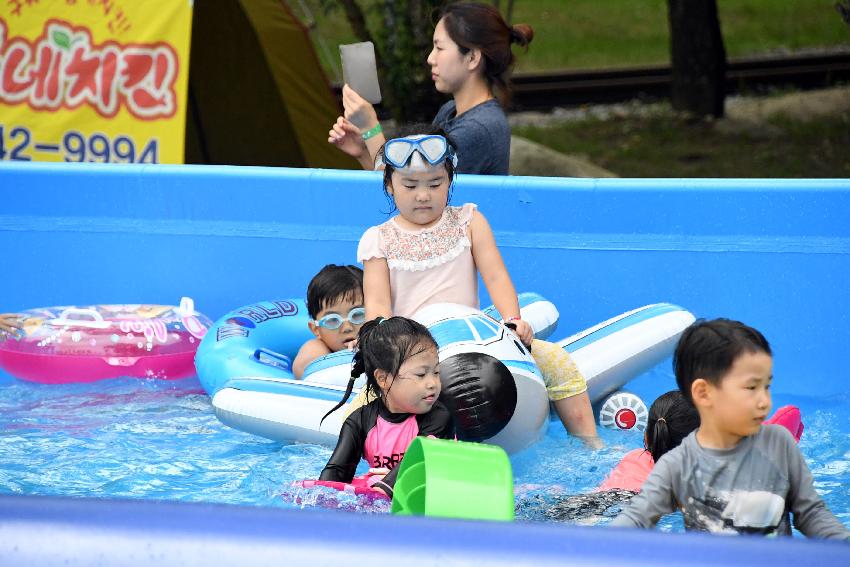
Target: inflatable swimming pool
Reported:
point(84, 344)
point(773, 253)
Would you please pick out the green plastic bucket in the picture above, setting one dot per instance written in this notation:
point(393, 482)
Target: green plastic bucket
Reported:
point(453, 479)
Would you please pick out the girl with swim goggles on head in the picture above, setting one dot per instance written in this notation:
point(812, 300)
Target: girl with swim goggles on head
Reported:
point(432, 252)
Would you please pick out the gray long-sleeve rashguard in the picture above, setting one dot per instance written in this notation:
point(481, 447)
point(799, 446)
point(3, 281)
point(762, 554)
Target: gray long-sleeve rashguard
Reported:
point(751, 488)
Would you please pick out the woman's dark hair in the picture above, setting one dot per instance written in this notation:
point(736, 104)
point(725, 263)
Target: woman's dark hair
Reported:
point(333, 283)
point(671, 419)
point(384, 344)
point(708, 349)
point(481, 26)
point(389, 169)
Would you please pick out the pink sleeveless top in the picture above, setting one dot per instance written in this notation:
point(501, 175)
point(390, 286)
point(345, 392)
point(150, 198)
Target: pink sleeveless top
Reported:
point(430, 265)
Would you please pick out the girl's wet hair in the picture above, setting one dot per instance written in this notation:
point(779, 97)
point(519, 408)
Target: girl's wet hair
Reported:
point(708, 349)
point(481, 26)
point(384, 344)
point(671, 418)
point(389, 168)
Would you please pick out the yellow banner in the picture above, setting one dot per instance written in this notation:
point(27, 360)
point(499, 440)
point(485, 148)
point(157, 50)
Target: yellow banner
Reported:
point(94, 80)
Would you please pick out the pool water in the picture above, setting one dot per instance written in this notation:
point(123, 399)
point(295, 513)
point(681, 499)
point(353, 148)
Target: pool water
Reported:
point(160, 440)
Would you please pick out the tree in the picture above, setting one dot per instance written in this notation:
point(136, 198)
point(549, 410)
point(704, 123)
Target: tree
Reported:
point(843, 8)
point(698, 57)
point(509, 11)
point(402, 43)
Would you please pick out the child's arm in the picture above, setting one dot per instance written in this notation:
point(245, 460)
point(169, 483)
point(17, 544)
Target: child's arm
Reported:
point(437, 423)
point(346, 456)
point(811, 516)
point(376, 288)
point(309, 351)
point(655, 499)
point(489, 262)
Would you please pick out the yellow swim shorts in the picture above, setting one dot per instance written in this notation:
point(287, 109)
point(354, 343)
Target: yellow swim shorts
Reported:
point(562, 377)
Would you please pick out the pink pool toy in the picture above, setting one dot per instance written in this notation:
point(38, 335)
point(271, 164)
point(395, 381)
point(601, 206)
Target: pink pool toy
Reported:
point(68, 344)
point(789, 417)
point(359, 485)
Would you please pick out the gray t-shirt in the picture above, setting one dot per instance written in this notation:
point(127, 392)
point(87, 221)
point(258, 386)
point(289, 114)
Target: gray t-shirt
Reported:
point(750, 488)
point(481, 135)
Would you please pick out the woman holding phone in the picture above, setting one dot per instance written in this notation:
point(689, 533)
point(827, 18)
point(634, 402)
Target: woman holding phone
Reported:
point(471, 60)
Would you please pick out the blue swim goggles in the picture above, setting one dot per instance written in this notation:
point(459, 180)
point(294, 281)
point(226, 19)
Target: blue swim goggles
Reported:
point(334, 321)
point(433, 148)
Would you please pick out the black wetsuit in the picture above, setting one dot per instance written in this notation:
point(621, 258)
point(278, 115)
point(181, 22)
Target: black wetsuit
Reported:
point(381, 437)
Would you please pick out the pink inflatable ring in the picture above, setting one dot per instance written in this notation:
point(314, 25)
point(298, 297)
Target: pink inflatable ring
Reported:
point(61, 345)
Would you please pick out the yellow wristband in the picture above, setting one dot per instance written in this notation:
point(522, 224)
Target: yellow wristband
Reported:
point(372, 132)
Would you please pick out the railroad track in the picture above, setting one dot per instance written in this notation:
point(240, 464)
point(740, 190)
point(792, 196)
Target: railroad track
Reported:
point(542, 91)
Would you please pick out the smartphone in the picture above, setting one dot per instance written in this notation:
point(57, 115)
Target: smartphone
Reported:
point(359, 70)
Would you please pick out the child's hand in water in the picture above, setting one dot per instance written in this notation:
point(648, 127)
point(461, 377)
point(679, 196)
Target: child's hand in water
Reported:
point(376, 475)
point(10, 326)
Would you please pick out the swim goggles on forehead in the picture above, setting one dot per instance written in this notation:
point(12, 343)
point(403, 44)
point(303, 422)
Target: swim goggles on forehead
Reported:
point(334, 321)
point(433, 148)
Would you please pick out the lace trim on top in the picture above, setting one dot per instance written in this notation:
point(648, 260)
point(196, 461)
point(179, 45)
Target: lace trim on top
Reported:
point(428, 247)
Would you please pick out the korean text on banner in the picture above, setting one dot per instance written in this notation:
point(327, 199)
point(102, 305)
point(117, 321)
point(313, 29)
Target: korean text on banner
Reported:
point(94, 80)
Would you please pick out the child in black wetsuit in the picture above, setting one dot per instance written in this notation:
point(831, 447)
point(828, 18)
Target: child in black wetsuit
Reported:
point(399, 357)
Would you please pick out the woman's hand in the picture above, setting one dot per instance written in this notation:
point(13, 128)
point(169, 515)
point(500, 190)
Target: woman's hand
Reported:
point(346, 136)
point(10, 326)
point(523, 331)
point(358, 110)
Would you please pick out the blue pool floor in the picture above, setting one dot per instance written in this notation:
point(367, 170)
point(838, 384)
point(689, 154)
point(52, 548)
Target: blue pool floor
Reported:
point(153, 439)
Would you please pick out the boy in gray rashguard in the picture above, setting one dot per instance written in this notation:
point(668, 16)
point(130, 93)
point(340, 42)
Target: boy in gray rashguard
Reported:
point(732, 475)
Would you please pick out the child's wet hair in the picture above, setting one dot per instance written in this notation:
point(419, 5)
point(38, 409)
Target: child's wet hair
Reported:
point(384, 344)
point(389, 168)
point(708, 349)
point(332, 284)
point(671, 418)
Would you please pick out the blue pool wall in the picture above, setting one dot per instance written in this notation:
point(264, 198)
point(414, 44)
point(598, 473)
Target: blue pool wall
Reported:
point(772, 253)
point(775, 254)
point(46, 531)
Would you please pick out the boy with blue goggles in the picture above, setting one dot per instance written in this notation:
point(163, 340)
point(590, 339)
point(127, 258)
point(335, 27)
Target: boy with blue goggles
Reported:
point(335, 306)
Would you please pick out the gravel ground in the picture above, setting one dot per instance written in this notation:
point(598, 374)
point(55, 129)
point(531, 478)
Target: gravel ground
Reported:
point(800, 105)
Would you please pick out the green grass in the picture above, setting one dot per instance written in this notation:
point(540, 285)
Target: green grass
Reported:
point(665, 146)
point(616, 33)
